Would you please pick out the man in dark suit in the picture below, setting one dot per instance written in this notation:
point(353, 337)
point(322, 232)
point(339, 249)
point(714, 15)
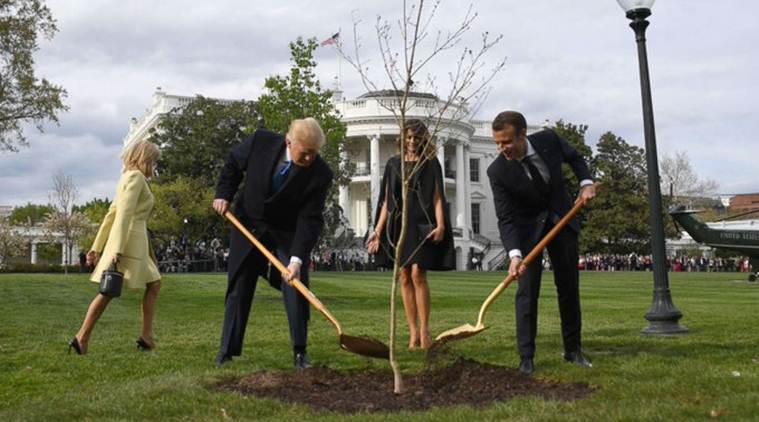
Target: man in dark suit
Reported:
point(282, 203)
point(530, 197)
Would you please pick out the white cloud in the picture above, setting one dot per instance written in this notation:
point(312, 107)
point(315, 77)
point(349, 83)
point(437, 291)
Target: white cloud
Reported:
point(566, 60)
point(27, 176)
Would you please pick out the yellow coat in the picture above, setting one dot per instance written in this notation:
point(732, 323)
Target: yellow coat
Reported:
point(124, 230)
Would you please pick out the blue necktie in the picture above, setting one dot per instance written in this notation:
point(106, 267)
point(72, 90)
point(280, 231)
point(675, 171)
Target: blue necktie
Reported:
point(279, 177)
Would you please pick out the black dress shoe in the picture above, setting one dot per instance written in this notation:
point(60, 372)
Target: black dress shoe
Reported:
point(526, 366)
point(578, 358)
point(143, 345)
point(301, 361)
point(74, 344)
point(222, 359)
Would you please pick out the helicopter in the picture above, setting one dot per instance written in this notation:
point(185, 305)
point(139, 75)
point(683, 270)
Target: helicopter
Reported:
point(742, 241)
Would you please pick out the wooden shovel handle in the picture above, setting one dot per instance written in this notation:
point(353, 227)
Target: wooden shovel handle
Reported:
point(534, 253)
point(297, 284)
point(538, 249)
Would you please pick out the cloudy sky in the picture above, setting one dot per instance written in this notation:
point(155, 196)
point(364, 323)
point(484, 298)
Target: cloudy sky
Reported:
point(565, 60)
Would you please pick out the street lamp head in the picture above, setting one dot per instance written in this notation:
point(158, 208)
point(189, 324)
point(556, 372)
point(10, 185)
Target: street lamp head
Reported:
point(639, 9)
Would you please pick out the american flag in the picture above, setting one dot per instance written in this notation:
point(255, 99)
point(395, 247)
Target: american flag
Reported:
point(331, 40)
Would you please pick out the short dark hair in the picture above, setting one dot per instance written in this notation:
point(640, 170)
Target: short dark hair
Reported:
point(513, 118)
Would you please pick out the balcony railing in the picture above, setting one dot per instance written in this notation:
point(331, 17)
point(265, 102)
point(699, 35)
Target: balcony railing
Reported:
point(362, 170)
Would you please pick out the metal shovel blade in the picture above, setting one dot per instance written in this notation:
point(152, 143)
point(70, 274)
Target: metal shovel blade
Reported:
point(463, 331)
point(365, 346)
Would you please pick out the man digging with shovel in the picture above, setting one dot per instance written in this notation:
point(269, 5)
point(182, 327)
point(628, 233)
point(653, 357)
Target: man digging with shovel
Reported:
point(282, 203)
point(530, 197)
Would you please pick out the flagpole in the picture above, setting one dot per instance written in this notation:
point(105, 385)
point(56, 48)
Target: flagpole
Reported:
point(335, 40)
point(339, 64)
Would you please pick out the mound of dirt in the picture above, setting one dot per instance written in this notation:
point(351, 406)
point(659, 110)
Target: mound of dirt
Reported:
point(465, 382)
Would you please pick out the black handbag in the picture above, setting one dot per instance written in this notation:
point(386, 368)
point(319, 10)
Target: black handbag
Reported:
point(111, 281)
point(424, 230)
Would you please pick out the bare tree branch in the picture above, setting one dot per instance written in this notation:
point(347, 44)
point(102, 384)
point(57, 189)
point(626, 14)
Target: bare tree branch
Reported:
point(442, 113)
point(679, 179)
point(64, 221)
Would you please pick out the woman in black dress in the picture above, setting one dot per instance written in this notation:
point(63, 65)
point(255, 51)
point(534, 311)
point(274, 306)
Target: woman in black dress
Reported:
point(429, 239)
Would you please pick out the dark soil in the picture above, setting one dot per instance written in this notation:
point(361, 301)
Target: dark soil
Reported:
point(466, 382)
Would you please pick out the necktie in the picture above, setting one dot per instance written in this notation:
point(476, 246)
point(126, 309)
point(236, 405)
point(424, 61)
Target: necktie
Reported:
point(280, 176)
point(537, 178)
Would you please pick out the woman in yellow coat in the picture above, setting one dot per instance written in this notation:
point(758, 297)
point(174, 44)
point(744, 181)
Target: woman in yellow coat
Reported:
point(123, 240)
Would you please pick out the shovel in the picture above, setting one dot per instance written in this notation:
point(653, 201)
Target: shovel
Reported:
point(468, 330)
point(359, 345)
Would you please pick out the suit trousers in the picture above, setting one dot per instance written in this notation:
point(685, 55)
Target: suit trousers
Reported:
point(563, 252)
point(240, 291)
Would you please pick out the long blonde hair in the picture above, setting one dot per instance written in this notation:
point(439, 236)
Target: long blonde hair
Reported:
point(141, 155)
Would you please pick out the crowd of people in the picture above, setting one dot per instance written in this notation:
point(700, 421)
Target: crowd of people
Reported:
point(683, 263)
point(348, 260)
point(183, 255)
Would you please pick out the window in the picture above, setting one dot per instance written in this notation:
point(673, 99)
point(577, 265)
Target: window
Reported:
point(360, 214)
point(474, 170)
point(475, 218)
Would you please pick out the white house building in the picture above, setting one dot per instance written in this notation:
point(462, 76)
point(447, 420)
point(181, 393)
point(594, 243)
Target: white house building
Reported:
point(465, 149)
point(36, 235)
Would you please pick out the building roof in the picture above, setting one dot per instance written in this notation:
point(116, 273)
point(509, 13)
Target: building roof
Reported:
point(397, 93)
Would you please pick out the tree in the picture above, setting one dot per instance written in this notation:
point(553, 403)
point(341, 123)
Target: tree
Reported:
point(23, 97)
point(12, 242)
point(30, 214)
point(575, 135)
point(95, 210)
point(403, 64)
point(183, 199)
point(64, 221)
point(679, 179)
point(299, 95)
point(195, 139)
point(618, 216)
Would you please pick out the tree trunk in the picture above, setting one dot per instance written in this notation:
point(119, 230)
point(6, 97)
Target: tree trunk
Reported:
point(397, 376)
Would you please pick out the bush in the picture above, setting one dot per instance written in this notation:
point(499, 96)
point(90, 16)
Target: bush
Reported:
point(25, 267)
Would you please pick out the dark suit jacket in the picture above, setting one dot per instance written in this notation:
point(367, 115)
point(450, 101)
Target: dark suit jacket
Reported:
point(292, 218)
point(521, 211)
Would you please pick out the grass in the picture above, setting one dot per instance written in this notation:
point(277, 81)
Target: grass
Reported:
point(637, 377)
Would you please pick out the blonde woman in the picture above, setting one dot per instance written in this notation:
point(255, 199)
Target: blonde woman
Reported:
point(123, 240)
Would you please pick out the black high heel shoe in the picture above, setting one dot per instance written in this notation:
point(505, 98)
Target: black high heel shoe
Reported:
point(74, 344)
point(143, 345)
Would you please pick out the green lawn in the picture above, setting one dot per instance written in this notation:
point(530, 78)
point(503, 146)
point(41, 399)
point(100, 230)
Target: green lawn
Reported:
point(715, 367)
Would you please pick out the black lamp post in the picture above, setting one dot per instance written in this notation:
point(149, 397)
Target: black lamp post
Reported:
point(663, 316)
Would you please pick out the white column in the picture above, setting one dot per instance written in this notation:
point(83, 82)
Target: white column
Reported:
point(34, 252)
point(343, 198)
point(74, 254)
point(460, 188)
point(441, 155)
point(376, 171)
point(467, 196)
point(63, 254)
